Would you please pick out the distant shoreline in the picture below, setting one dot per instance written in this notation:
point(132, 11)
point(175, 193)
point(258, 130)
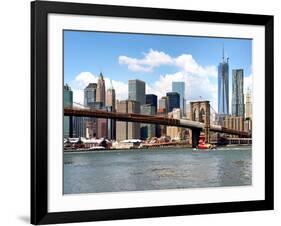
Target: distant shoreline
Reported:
point(143, 149)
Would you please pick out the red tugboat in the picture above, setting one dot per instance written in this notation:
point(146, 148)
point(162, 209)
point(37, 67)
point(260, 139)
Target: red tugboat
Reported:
point(203, 145)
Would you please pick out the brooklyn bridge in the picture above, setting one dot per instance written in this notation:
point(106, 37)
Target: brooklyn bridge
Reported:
point(199, 120)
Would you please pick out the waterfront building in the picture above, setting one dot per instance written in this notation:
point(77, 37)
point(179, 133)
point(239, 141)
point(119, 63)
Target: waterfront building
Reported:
point(79, 127)
point(179, 87)
point(148, 130)
point(174, 132)
point(128, 130)
point(96, 127)
point(223, 87)
point(101, 90)
point(238, 93)
point(90, 94)
point(102, 128)
point(79, 123)
point(137, 91)
point(90, 128)
point(173, 101)
point(101, 123)
point(248, 125)
point(234, 122)
point(67, 120)
point(248, 105)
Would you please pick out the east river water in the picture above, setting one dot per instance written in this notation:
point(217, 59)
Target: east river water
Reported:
point(155, 169)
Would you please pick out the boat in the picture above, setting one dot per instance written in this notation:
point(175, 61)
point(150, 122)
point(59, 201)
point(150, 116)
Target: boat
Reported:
point(203, 145)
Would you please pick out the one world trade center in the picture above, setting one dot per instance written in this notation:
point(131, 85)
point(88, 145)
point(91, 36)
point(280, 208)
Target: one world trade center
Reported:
point(223, 87)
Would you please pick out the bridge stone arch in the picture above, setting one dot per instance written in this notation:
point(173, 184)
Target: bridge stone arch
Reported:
point(202, 115)
point(203, 109)
point(196, 114)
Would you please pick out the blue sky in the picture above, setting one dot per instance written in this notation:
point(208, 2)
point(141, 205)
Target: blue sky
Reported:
point(155, 59)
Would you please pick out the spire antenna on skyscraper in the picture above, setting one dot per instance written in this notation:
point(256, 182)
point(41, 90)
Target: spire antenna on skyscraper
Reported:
point(223, 52)
point(223, 85)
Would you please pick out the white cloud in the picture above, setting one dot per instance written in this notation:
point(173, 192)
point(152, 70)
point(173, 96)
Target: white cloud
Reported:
point(155, 58)
point(84, 78)
point(188, 64)
point(79, 83)
point(150, 60)
point(133, 64)
point(248, 83)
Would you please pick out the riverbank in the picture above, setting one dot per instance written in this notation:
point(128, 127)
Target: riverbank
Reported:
point(188, 147)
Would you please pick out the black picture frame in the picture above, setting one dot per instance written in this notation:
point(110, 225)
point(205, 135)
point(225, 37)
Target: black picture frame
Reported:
point(39, 112)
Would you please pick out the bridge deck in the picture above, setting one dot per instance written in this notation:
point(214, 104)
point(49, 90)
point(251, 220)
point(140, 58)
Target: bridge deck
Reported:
point(150, 119)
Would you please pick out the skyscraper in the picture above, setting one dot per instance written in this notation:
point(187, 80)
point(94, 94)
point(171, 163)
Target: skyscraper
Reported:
point(67, 120)
point(173, 131)
point(223, 86)
point(86, 126)
point(248, 104)
point(90, 94)
point(111, 98)
point(163, 106)
point(238, 93)
point(179, 87)
point(173, 101)
point(101, 90)
point(151, 99)
point(110, 106)
point(162, 111)
point(111, 125)
point(128, 130)
point(148, 130)
point(137, 91)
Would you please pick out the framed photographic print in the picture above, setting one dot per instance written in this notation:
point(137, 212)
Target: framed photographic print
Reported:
point(144, 112)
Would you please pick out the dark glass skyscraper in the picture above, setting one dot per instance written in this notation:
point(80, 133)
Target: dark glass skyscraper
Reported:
point(90, 93)
point(223, 87)
point(173, 101)
point(151, 99)
point(238, 93)
point(179, 87)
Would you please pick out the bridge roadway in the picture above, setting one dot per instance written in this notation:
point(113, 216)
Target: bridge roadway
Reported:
point(151, 119)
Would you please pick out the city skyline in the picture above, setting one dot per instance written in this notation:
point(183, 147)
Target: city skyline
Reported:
point(156, 97)
point(155, 63)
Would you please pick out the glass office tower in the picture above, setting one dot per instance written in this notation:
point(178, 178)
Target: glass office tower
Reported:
point(173, 101)
point(137, 91)
point(223, 87)
point(179, 87)
point(238, 93)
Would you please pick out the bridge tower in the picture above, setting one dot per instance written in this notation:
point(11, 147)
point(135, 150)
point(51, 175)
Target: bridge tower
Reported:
point(200, 112)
